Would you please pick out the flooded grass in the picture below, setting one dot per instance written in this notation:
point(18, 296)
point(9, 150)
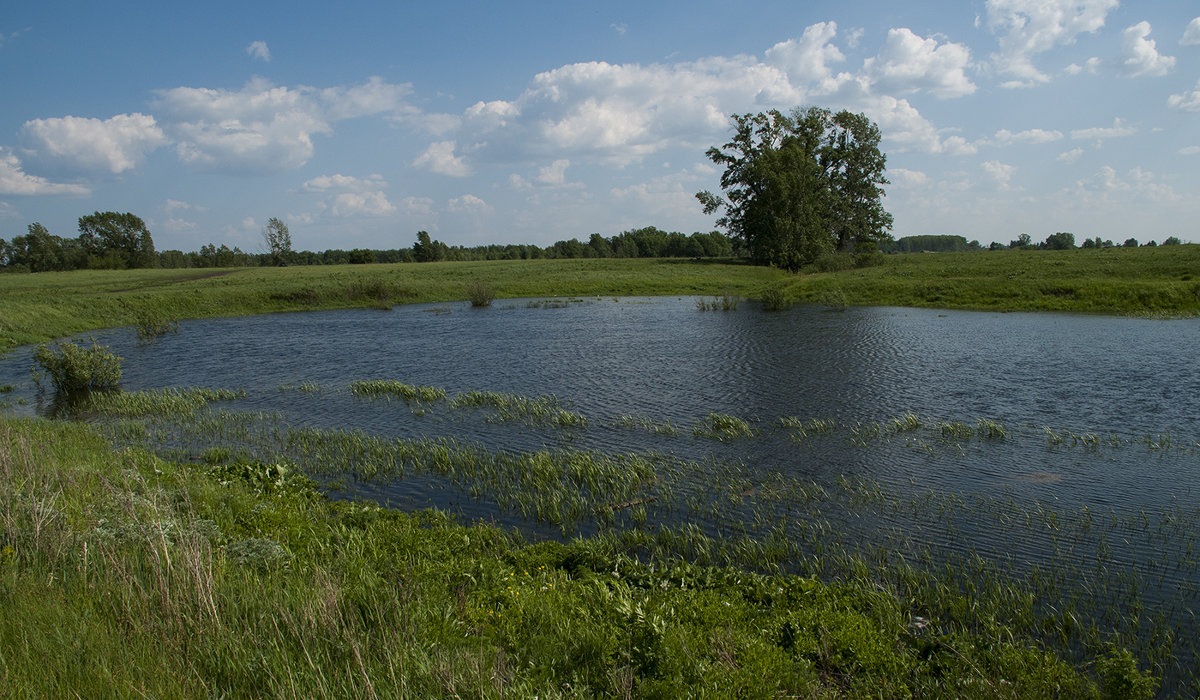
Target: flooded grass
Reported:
point(1081, 581)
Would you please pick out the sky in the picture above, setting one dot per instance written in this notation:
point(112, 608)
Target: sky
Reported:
point(361, 123)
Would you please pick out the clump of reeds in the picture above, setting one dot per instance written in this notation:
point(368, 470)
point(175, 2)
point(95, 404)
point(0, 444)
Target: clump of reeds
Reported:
point(725, 302)
point(723, 427)
point(775, 299)
point(389, 387)
point(151, 325)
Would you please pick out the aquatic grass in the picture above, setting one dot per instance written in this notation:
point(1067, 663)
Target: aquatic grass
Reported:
point(645, 423)
point(725, 302)
point(541, 410)
point(723, 427)
point(387, 387)
point(151, 324)
point(175, 403)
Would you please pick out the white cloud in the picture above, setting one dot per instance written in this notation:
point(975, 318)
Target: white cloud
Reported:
point(174, 205)
point(555, 173)
point(15, 181)
point(1092, 65)
point(417, 206)
point(1191, 35)
point(1098, 134)
point(177, 225)
point(1030, 27)
point(1187, 101)
point(807, 59)
point(1069, 156)
point(619, 28)
point(1005, 137)
point(909, 63)
point(263, 128)
point(113, 145)
point(1000, 173)
point(1189, 150)
point(344, 183)
point(259, 50)
point(1139, 55)
point(440, 158)
point(903, 177)
point(351, 196)
point(468, 203)
point(1107, 182)
point(361, 203)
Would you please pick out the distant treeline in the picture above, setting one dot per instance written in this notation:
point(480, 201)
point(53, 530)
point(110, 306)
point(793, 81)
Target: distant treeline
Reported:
point(109, 240)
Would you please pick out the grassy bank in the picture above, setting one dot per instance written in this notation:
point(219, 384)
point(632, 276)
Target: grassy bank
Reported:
point(125, 575)
point(49, 305)
point(1158, 282)
point(1162, 281)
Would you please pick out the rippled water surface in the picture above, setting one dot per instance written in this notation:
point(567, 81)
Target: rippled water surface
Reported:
point(664, 360)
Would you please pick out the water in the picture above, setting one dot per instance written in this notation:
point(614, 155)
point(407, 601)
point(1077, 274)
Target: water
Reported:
point(664, 360)
point(1134, 383)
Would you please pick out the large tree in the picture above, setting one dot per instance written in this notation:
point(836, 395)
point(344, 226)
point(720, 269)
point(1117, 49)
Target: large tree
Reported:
point(116, 240)
point(801, 185)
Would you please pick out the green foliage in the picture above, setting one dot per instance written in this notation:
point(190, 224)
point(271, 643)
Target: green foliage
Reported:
point(1062, 241)
point(800, 186)
point(74, 369)
point(774, 298)
point(1120, 677)
point(116, 241)
point(151, 325)
point(480, 293)
point(278, 240)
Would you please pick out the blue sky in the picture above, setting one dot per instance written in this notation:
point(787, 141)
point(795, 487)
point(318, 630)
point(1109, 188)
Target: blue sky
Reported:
point(361, 123)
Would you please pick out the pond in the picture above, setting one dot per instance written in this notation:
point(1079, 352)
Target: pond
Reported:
point(1062, 444)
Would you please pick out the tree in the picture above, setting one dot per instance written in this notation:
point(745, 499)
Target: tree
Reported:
point(799, 186)
point(116, 240)
point(1060, 241)
point(1130, 243)
point(427, 250)
point(279, 241)
point(1171, 240)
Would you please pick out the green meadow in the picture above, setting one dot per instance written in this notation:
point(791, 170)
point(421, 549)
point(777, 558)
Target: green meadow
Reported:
point(1157, 282)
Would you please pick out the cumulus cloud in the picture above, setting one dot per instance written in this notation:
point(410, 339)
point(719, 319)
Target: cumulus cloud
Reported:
point(807, 59)
point(113, 145)
point(910, 63)
point(1107, 182)
point(15, 181)
point(1069, 156)
point(1092, 65)
point(468, 203)
point(1099, 134)
point(1139, 55)
point(1027, 28)
point(440, 158)
point(346, 195)
point(264, 128)
point(1191, 35)
point(555, 173)
point(1005, 137)
point(1186, 101)
point(1000, 173)
point(259, 50)
point(903, 177)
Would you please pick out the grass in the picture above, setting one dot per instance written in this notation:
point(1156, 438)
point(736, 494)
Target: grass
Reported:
point(123, 574)
point(40, 307)
point(1156, 282)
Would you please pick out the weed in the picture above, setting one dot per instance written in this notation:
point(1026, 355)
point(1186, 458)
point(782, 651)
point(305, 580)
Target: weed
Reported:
point(480, 293)
point(74, 369)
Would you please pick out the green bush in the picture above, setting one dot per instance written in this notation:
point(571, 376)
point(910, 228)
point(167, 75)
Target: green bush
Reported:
point(74, 369)
point(480, 293)
point(775, 299)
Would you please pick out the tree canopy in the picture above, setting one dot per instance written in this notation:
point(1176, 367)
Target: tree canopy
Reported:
point(800, 186)
point(278, 240)
point(116, 240)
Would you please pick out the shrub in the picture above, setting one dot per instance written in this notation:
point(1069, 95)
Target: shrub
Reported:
point(833, 262)
point(480, 293)
point(150, 326)
point(74, 369)
point(774, 299)
point(867, 255)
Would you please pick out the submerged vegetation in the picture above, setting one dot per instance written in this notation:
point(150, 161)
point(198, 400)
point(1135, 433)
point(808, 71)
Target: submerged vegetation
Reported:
point(237, 578)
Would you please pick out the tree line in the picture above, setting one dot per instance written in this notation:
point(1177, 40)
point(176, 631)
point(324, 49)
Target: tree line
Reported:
point(111, 240)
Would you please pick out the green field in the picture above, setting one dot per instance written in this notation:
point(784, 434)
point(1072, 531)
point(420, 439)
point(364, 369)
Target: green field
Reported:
point(1155, 282)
